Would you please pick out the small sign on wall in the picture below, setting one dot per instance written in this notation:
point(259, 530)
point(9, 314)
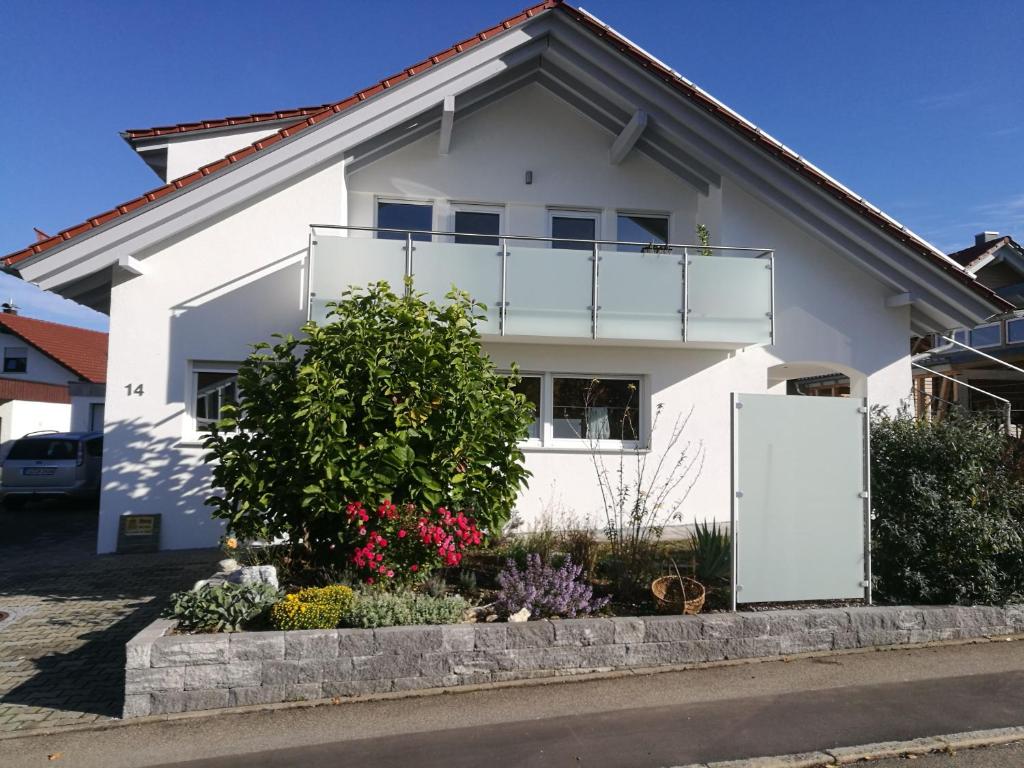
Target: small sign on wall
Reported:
point(138, 533)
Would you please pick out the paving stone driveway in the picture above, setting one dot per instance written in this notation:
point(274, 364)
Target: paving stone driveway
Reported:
point(71, 611)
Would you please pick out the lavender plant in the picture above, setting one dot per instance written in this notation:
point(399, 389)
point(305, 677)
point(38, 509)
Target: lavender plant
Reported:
point(546, 591)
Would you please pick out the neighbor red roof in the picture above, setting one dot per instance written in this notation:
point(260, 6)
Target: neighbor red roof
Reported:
point(36, 391)
point(624, 46)
point(968, 256)
point(81, 351)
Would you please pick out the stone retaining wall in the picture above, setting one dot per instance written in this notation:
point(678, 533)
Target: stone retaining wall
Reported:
point(176, 673)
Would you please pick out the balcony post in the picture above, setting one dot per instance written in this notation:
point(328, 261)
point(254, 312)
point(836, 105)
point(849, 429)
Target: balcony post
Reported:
point(594, 293)
point(408, 261)
point(504, 280)
point(771, 315)
point(685, 311)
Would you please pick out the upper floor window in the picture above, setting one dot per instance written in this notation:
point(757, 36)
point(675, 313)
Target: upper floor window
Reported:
point(15, 359)
point(573, 225)
point(477, 225)
point(641, 228)
point(405, 217)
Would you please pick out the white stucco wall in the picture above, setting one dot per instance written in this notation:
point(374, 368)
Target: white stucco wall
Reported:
point(186, 153)
point(19, 417)
point(208, 295)
point(205, 297)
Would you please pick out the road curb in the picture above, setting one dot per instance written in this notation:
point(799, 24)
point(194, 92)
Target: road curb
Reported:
point(880, 751)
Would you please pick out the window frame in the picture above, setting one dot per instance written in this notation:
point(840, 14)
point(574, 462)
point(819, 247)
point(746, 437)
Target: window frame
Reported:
point(646, 215)
point(495, 208)
point(192, 432)
point(420, 201)
point(23, 357)
point(592, 214)
point(970, 335)
point(533, 442)
point(547, 440)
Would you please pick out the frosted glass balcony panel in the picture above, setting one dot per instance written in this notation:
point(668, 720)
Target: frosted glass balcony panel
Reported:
point(475, 269)
point(640, 295)
point(549, 291)
point(343, 262)
point(729, 299)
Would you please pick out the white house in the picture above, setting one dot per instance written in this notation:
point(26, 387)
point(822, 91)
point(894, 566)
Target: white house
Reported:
point(52, 379)
point(547, 125)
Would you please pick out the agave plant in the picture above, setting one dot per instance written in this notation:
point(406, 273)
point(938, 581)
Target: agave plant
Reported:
point(712, 551)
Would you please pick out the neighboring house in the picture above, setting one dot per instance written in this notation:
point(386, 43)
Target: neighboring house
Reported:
point(547, 125)
point(52, 379)
point(997, 262)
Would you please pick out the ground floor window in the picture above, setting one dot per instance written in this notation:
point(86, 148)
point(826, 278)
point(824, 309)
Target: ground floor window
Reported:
point(582, 410)
point(213, 387)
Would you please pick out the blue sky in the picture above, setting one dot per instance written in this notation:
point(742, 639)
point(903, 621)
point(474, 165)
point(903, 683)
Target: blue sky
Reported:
point(918, 106)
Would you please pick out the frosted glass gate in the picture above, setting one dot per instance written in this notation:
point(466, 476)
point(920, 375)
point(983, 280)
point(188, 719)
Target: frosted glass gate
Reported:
point(800, 498)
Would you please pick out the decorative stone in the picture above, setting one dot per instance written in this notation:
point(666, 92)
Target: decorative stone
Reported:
point(228, 565)
point(255, 574)
point(523, 614)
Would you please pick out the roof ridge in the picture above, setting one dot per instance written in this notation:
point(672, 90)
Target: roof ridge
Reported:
point(6, 315)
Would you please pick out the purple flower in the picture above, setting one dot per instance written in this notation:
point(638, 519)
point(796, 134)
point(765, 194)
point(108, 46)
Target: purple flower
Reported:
point(546, 591)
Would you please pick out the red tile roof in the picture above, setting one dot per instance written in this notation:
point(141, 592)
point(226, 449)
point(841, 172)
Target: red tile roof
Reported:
point(79, 350)
point(36, 391)
point(224, 122)
point(625, 47)
point(968, 256)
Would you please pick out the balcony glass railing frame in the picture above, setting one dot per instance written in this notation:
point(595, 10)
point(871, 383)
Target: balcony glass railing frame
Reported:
point(686, 251)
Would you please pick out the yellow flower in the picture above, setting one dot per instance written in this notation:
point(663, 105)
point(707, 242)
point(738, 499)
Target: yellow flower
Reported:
point(231, 542)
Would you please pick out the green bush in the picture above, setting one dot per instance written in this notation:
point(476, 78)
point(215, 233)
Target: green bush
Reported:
point(948, 510)
point(392, 399)
point(712, 553)
point(313, 608)
point(220, 607)
point(393, 609)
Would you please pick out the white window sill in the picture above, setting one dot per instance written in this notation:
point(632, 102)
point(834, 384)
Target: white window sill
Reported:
point(583, 448)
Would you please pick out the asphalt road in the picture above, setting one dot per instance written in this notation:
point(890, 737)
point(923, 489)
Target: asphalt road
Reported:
point(675, 718)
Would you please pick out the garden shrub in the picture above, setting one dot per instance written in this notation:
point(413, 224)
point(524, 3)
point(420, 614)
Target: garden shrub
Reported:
point(223, 607)
point(391, 399)
point(394, 609)
point(546, 591)
point(948, 509)
point(403, 544)
point(313, 608)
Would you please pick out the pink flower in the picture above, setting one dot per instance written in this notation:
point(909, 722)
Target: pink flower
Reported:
point(369, 579)
point(391, 574)
point(402, 534)
point(414, 568)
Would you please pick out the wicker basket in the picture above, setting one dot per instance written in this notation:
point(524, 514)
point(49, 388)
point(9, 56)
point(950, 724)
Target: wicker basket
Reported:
point(671, 599)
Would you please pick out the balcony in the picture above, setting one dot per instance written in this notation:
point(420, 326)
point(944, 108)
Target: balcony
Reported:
point(540, 289)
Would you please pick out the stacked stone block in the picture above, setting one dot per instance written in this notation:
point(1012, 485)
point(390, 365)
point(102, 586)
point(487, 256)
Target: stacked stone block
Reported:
point(167, 673)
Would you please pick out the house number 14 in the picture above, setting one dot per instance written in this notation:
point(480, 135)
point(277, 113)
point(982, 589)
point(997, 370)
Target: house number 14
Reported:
point(133, 389)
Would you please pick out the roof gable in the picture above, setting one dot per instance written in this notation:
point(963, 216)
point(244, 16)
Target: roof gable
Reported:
point(81, 351)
